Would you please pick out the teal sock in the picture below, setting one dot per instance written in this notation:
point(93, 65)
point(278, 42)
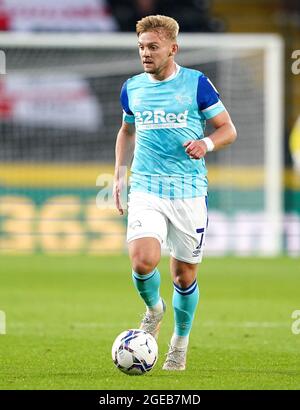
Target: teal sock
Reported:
point(184, 303)
point(148, 286)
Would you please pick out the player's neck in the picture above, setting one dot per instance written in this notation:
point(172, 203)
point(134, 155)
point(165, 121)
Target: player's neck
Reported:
point(165, 73)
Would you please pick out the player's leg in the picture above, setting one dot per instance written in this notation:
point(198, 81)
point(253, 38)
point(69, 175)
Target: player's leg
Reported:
point(146, 231)
point(185, 301)
point(145, 255)
point(186, 239)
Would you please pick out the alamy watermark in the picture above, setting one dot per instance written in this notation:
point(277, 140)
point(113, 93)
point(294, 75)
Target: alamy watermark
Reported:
point(164, 186)
point(2, 323)
point(296, 64)
point(296, 324)
point(2, 62)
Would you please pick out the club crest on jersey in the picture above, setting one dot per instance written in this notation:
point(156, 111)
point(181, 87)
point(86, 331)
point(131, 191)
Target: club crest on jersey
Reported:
point(135, 224)
point(160, 119)
point(184, 99)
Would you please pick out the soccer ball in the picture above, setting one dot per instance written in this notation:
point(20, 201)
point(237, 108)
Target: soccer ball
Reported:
point(134, 352)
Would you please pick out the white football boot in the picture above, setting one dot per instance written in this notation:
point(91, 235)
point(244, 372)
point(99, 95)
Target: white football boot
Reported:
point(176, 358)
point(151, 321)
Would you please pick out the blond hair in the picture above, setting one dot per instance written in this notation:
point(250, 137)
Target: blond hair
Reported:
point(158, 23)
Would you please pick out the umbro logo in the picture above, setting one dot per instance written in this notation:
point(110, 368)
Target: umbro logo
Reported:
point(137, 101)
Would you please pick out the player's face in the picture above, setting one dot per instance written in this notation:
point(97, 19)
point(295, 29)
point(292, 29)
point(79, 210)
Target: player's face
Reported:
point(156, 52)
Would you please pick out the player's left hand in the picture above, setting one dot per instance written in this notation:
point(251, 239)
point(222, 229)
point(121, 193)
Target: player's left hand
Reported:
point(195, 149)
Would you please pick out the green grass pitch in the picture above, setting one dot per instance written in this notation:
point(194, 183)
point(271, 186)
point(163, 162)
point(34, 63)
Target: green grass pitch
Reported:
point(63, 313)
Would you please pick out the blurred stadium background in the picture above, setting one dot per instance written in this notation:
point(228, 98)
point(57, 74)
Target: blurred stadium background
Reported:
point(59, 114)
point(60, 111)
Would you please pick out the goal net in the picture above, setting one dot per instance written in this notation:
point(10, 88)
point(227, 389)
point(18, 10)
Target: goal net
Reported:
point(60, 113)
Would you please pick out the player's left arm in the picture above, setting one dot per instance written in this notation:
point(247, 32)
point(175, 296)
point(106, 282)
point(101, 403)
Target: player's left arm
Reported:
point(224, 134)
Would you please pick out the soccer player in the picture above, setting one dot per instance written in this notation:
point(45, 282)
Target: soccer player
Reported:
point(164, 114)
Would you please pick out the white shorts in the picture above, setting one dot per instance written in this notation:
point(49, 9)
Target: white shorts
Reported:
point(178, 224)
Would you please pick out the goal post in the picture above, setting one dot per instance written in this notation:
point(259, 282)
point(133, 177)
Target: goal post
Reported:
point(60, 113)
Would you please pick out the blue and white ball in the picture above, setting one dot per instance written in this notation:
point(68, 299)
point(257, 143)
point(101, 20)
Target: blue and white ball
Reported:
point(134, 352)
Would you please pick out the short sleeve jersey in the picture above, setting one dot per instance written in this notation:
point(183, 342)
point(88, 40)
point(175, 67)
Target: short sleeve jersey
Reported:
point(166, 114)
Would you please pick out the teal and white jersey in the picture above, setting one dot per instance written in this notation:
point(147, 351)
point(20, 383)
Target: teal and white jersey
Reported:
point(166, 114)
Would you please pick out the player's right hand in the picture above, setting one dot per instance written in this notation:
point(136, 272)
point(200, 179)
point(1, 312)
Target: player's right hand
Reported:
point(195, 149)
point(117, 190)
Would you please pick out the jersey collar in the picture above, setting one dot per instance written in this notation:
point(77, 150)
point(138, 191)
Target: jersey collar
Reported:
point(173, 75)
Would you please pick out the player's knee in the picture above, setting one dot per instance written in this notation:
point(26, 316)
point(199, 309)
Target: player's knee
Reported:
point(143, 264)
point(183, 279)
point(181, 282)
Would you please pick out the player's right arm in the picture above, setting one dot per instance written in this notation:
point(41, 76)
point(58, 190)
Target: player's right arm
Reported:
point(124, 153)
